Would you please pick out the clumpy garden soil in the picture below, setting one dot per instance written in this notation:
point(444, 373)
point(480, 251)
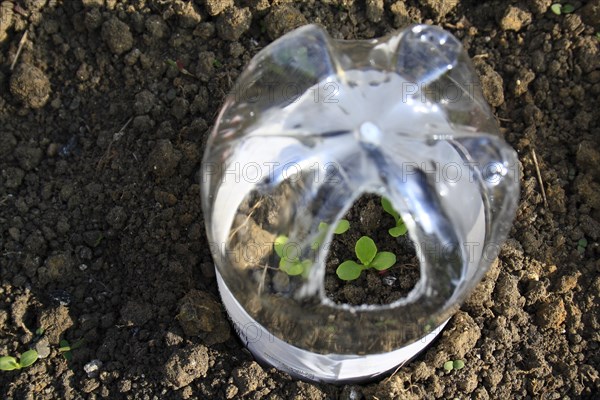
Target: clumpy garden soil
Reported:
point(103, 122)
point(367, 218)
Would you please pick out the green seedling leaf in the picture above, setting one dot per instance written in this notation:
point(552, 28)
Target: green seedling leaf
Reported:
point(365, 250)
point(398, 230)
point(458, 364)
point(342, 227)
point(306, 264)
point(39, 331)
point(280, 242)
point(388, 208)
point(567, 8)
point(323, 226)
point(448, 366)
point(64, 346)
point(348, 271)
point(28, 358)
point(383, 260)
point(292, 268)
point(67, 349)
point(556, 8)
point(8, 363)
point(581, 245)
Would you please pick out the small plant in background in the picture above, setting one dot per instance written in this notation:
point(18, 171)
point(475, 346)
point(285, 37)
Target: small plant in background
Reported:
point(8, 363)
point(369, 257)
point(559, 9)
point(456, 364)
point(341, 227)
point(67, 349)
point(179, 65)
point(400, 228)
point(292, 264)
point(581, 245)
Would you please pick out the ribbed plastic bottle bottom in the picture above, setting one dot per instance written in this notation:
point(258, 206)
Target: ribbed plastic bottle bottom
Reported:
point(306, 365)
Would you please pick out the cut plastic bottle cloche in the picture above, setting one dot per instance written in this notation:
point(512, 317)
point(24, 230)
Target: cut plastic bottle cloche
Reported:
point(312, 125)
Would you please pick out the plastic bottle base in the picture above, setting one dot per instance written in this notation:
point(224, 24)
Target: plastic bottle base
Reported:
point(306, 365)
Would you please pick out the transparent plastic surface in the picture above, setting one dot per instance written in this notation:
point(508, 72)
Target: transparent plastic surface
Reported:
point(314, 123)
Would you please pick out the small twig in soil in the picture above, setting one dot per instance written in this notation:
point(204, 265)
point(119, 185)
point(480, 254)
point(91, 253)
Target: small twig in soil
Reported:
point(261, 285)
point(232, 233)
point(539, 177)
point(389, 378)
point(19, 49)
point(116, 136)
point(484, 55)
point(179, 65)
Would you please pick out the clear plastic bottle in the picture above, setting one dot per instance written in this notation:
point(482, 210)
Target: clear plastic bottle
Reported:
point(311, 125)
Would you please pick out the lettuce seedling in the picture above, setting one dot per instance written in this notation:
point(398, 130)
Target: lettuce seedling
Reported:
point(559, 9)
point(290, 264)
point(581, 245)
point(366, 252)
point(456, 365)
point(400, 228)
point(8, 363)
point(340, 228)
point(67, 349)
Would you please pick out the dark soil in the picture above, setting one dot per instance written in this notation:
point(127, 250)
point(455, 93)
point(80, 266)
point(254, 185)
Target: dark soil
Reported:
point(367, 218)
point(103, 122)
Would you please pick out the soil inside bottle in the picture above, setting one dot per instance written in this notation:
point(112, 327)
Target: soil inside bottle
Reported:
point(367, 218)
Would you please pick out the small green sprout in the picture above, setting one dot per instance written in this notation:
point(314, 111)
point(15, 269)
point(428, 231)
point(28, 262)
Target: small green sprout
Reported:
point(341, 227)
point(179, 65)
point(8, 363)
point(556, 9)
point(567, 8)
point(456, 365)
point(98, 240)
point(581, 245)
point(291, 265)
point(67, 349)
point(366, 252)
point(559, 9)
point(400, 228)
